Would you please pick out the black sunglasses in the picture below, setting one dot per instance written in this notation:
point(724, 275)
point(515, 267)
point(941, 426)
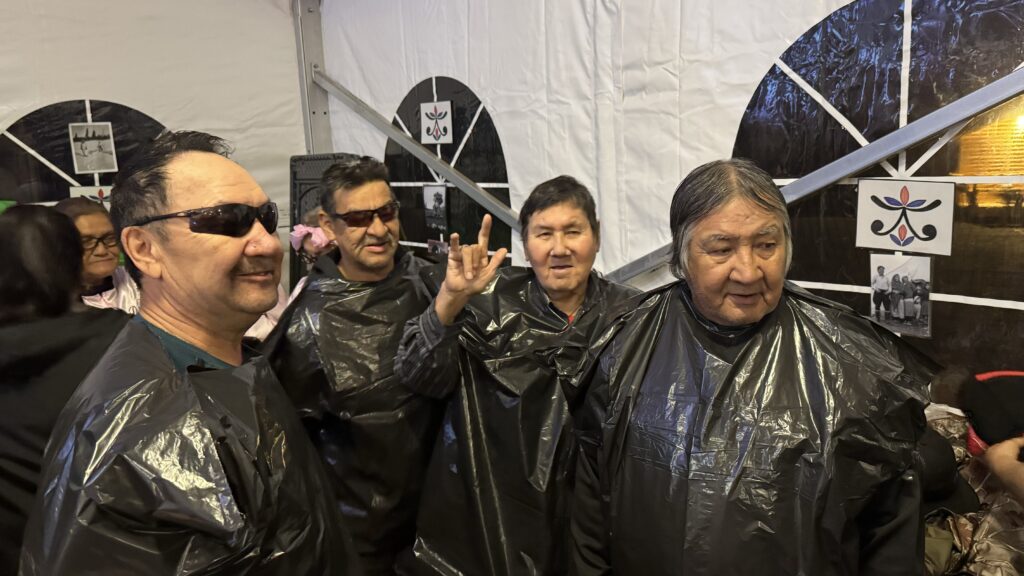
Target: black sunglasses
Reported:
point(363, 218)
point(226, 220)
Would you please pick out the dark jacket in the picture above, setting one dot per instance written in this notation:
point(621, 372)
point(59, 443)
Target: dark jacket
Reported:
point(41, 364)
point(785, 448)
point(334, 351)
point(499, 479)
point(156, 471)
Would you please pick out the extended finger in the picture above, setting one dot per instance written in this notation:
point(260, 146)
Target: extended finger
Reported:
point(454, 253)
point(496, 261)
point(485, 232)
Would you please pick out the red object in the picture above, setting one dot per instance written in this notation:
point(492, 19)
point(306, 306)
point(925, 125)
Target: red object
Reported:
point(997, 374)
point(904, 195)
point(976, 446)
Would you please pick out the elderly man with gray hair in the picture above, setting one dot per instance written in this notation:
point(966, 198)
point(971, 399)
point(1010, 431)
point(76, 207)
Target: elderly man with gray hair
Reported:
point(737, 424)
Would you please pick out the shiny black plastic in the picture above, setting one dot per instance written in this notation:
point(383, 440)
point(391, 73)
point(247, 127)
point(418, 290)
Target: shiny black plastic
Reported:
point(151, 471)
point(334, 352)
point(498, 486)
point(786, 448)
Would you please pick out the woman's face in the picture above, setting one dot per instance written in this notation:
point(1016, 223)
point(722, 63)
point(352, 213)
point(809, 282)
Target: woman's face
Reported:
point(736, 263)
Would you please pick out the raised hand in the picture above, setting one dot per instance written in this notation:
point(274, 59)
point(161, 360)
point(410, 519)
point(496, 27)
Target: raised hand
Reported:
point(469, 272)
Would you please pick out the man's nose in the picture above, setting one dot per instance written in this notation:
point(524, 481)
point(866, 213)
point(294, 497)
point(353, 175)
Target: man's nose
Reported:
point(262, 243)
point(377, 227)
point(560, 246)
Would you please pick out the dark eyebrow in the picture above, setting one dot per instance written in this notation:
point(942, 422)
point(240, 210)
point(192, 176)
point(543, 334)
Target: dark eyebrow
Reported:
point(571, 224)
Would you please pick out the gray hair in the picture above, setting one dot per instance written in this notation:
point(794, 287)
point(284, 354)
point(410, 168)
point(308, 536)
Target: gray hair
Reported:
point(711, 186)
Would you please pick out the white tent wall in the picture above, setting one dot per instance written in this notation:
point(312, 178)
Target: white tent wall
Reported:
point(228, 67)
point(625, 96)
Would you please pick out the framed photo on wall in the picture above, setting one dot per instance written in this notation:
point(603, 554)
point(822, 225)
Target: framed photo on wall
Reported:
point(901, 293)
point(92, 147)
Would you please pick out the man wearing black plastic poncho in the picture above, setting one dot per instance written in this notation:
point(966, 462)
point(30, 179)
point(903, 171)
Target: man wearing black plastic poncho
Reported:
point(334, 351)
point(503, 347)
point(736, 424)
point(179, 453)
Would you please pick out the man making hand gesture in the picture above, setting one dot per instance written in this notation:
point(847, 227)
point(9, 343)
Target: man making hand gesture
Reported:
point(469, 273)
point(502, 346)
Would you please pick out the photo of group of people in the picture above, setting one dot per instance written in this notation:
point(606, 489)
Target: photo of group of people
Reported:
point(901, 293)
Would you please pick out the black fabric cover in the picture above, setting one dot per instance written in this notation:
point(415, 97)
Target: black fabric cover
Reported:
point(498, 485)
point(786, 448)
point(153, 471)
point(41, 364)
point(995, 407)
point(334, 352)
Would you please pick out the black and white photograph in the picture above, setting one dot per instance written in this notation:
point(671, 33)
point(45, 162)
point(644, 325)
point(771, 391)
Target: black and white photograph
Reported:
point(435, 211)
point(92, 147)
point(900, 293)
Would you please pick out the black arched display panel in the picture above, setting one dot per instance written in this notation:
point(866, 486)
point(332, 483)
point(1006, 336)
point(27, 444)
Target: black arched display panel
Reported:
point(37, 162)
point(854, 60)
point(475, 151)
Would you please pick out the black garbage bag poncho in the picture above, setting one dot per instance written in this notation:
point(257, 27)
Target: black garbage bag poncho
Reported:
point(334, 351)
point(788, 447)
point(497, 489)
point(155, 471)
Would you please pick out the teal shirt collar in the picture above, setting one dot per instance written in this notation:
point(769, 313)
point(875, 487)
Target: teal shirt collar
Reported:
point(181, 353)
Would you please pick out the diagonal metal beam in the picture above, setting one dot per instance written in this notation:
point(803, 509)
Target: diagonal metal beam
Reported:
point(896, 141)
point(961, 110)
point(445, 170)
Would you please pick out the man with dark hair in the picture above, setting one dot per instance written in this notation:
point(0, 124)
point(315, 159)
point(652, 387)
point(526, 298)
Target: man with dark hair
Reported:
point(502, 347)
point(365, 224)
point(180, 453)
point(105, 284)
point(108, 285)
point(334, 352)
point(736, 424)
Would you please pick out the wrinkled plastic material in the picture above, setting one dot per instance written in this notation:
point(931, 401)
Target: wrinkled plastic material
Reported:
point(853, 59)
point(151, 471)
point(990, 541)
point(499, 479)
point(334, 352)
point(786, 448)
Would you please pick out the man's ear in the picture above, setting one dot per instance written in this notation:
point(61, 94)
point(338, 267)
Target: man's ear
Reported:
point(327, 225)
point(144, 250)
point(597, 235)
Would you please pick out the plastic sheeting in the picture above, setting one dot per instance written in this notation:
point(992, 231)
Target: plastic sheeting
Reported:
point(987, 542)
point(853, 59)
point(499, 478)
point(334, 351)
point(150, 471)
point(44, 133)
point(785, 448)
